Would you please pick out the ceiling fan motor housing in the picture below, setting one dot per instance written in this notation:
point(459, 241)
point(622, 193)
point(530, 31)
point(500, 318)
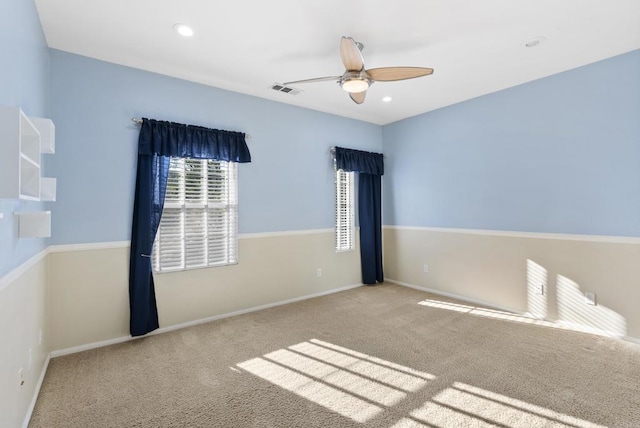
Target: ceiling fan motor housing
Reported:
point(355, 81)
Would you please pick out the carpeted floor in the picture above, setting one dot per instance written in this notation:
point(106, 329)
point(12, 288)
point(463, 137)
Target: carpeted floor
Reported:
point(371, 356)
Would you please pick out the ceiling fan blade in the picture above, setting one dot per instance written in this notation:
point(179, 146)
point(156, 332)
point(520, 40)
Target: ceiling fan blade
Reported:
point(358, 97)
point(351, 55)
point(390, 74)
point(317, 79)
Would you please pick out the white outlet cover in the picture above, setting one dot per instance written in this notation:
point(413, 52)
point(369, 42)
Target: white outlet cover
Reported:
point(425, 268)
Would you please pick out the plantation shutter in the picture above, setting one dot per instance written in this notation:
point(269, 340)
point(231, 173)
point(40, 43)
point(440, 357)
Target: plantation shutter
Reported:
point(199, 220)
point(170, 237)
point(222, 212)
point(344, 210)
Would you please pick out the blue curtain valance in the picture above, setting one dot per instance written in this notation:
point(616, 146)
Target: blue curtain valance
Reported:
point(189, 141)
point(359, 161)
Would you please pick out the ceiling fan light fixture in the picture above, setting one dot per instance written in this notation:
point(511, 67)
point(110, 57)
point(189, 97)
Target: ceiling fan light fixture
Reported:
point(355, 86)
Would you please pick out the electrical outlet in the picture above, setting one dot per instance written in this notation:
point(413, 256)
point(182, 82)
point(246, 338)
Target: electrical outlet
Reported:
point(319, 273)
point(590, 298)
point(425, 268)
point(540, 289)
point(40, 337)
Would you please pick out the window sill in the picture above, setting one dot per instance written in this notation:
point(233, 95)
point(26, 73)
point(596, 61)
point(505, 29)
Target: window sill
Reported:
point(194, 268)
point(346, 251)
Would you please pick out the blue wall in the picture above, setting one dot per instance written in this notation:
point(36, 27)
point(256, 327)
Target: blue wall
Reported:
point(24, 82)
point(288, 186)
point(560, 154)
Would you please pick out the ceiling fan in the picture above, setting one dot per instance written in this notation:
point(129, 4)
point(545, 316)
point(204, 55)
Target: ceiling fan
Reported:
point(356, 80)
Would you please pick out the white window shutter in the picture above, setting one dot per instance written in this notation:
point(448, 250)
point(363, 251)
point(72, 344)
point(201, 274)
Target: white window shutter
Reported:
point(195, 243)
point(344, 210)
point(170, 239)
point(199, 221)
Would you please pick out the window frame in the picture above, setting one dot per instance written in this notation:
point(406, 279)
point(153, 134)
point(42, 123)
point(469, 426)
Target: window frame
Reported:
point(230, 204)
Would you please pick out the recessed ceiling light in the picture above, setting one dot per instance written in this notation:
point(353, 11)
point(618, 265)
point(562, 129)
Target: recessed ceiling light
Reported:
point(183, 29)
point(534, 42)
point(387, 99)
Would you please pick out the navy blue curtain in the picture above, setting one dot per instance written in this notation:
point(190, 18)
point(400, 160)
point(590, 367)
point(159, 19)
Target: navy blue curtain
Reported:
point(158, 142)
point(370, 168)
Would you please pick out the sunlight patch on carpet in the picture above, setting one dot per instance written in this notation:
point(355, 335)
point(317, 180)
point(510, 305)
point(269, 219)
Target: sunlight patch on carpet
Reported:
point(427, 376)
point(381, 373)
point(331, 398)
point(361, 387)
point(358, 385)
point(347, 382)
point(574, 314)
point(487, 313)
point(468, 406)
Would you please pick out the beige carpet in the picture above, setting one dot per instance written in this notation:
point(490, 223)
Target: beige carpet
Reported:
point(371, 356)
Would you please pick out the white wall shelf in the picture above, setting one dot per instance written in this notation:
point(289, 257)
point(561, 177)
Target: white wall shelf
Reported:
point(47, 131)
point(22, 141)
point(34, 224)
point(19, 155)
point(47, 189)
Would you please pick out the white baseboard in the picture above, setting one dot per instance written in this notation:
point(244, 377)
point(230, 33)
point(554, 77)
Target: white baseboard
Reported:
point(94, 345)
point(455, 296)
point(36, 392)
point(632, 339)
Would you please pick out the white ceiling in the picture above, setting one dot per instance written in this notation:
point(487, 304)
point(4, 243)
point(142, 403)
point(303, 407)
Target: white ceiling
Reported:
point(476, 47)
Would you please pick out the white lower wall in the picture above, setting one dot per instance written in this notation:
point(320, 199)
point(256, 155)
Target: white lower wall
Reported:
point(88, 285)
point(88, 294)
point(504, 270)
point(22, 318)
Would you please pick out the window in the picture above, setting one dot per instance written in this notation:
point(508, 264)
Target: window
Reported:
point(199, 222)
point(344, 210)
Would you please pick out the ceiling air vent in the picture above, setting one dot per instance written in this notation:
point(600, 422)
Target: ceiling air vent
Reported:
point(286, 89)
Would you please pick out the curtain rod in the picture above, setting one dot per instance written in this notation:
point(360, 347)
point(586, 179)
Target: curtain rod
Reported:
point(139, 122)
